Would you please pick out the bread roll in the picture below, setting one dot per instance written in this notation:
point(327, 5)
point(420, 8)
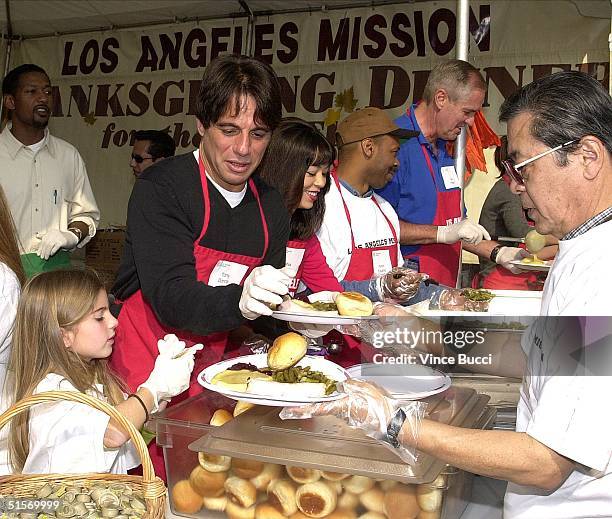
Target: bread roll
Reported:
point(240, 491)
point(303, 475)
point(270, 472)
point(281, 495)
point(235, 511)
point(342, 513)
point(358, 484)
point(298, 515)
point(373, 500)
point(429, 515)
point(428, 498)
point(336, 486)
point(241, 407)
point(267, 511)
point(207, 484)
point(372, 515)
point(333, 476)
point(316, 499)
point(387, 484)
point(354, 304)
point(348, 501)
point(220, 416)
point(401, 503)
point(214, 462)
point(286, 351)
point(246, 469)
point(217, 504)
point(185, 499)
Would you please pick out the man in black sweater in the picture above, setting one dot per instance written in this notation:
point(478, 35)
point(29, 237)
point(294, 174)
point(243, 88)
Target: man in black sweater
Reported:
point(202, 234)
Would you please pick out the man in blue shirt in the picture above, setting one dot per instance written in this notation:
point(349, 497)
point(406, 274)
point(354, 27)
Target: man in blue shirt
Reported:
point(425, 191)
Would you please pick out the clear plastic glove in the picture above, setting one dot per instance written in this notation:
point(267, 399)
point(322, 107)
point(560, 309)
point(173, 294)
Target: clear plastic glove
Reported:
point(54, 240)
point(508, 254)
point(370, 408)
point(171, 374)
point(450, 299)
point(399, 284)
point(264, 286)
point(465, 230)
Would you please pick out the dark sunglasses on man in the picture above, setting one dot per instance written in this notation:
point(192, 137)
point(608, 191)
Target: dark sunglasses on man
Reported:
point(514, 170)
point(139, 159)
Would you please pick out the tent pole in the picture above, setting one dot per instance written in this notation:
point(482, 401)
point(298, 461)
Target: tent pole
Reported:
point(250, 27)
point(463, 34)
point(7, 59)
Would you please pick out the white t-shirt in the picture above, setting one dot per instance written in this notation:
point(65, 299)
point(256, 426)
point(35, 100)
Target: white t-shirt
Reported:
point(9, 297)
point(370, 229)
point(233, 198)
point(580, 280)
point(68, 437)
point(559, 406)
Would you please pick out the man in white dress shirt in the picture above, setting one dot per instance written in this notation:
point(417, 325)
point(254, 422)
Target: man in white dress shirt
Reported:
point(44, 177)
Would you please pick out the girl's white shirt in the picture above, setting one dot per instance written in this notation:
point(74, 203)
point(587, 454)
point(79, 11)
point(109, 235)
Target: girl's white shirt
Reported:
point(68, 437)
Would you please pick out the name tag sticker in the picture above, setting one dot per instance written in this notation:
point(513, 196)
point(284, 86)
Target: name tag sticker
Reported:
point(226, 273)
point(381, 262)
point(450, 177)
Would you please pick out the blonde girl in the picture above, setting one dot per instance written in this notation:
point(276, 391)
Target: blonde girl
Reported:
point(64, 335)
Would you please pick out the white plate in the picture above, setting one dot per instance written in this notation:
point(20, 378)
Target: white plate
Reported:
point(260, 360)
point(320, 318)
point(542, 267)
point(405, 382)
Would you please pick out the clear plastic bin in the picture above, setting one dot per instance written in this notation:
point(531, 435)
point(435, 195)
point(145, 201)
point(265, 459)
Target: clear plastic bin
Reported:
point(257, 466)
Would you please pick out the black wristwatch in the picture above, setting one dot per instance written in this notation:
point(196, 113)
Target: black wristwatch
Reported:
point(494, 253)
point(394, 428)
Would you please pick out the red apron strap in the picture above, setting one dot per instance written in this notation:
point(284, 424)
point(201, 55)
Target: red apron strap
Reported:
point(346, 211)
point(204, 182)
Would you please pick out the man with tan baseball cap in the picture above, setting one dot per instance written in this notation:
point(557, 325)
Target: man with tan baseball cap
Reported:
point(369, 122)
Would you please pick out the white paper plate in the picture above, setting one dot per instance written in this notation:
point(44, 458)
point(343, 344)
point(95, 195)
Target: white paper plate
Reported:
point(320, 318)
point(542, 267)
point(260, 360)
point(405, 382)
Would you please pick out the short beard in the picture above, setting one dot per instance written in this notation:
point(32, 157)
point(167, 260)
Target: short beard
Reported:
point(40, 125)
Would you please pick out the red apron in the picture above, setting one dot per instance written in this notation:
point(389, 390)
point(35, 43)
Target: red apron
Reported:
point(295, 259)
point(361, 267)
point(136, 338)
point(439, 260)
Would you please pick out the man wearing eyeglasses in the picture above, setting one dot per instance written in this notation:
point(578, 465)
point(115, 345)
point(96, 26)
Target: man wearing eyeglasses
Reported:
point(150, 146)
point(425, 192)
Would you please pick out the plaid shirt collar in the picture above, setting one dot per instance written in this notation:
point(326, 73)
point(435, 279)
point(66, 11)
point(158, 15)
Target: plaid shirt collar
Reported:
point(598, 219)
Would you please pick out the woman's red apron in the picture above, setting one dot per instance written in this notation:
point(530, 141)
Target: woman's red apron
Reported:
point(138, 331)
point(361, 266)
point(439, 260)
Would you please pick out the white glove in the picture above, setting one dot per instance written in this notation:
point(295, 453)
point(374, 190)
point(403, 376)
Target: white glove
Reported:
point(264, 286)
point(54, 240)
point(170, 346)
point(508, 254)
point(466, 231)
point(172, 371)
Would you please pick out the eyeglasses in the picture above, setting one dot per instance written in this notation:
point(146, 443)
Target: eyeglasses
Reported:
point(514, 170)
point(139, 159)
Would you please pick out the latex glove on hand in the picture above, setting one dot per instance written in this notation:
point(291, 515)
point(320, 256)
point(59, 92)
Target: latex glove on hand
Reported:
point(171, 374)
point(508, 254)
point(370, 408)
point(465, 230)
point(170, 346)
point(399, 284)
point(54, 240)
point(264, 286)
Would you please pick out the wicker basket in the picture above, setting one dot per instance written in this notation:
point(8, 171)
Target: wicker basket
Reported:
point(26, 485)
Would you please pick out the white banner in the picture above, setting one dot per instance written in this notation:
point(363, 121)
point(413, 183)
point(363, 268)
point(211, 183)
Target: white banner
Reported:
point(109, 84)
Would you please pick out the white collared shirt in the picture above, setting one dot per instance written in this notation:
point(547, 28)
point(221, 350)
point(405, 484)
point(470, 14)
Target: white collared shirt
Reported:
point(45, 190)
